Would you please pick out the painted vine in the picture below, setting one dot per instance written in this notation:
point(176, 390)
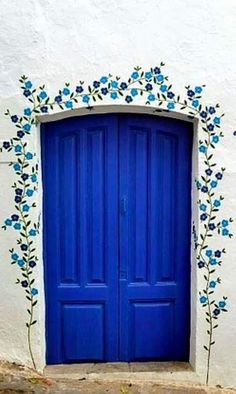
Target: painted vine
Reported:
point(153, 85)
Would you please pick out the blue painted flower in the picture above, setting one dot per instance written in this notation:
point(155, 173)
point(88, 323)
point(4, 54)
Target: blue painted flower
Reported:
point(204, 189)
point(234, 133)
point(96, 84)
point(170, 95)
point(219, 175)
point(225, 223)
point(25, 208)
point(15, 217)
point(44, 109)
point(201, 264)
point(222, 304)
point(69, 104)
point(79, 89)
point(104, 80)
point(14, 118)
point(190, 93)
point(24, 247)
point(27, 112)
point(202, 149)
point(210, 127)
point(58, 99)
point(151, 97)
point(27, 93)
point(134, 92)
point(160, 78)
point(66, 91)
point(134, 75)
point(29, 192)
point(203, 114)
point(208, 171)
point(225, 231)
point(171, 105)
point(114, 95)
point(123, 85)
point(28, 84)
point(86, 99)
point(128, 99)
point(216, 120)
point(114, 84)
point(17, 226)
point(25, 177)
point(203, 216)
point(213, 184)
point(104, 91)
point(32, 263)
point(24, 283)
point(215, 139)
point(198, 89)
point(217, 203)
point(203, 207)
point(34, 178)
point(21, 263)
point(157, 70)
point(149, 86)
point(212, 284)
point(213, 261)
point(6, 144)
point(163, 88)
point(32, 232)
point(20, 134)
point(18, 148)
point(42, 94)
point(17, 167)
point(218, 253)
point(18, 191)
point(212, 110)
point(148, 75)
point(27, 127)
point(29, 156)
point(15, 256)
point(17, 199)
point(8, 222)
point(198, 184)
point(34, 291)
point(212, 226)
point(195, 103)
point(203, 299)
point(209, 252)
point(216, 311)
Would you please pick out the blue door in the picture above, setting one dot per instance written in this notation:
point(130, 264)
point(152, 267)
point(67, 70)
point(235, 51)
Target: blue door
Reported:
point(117, 207)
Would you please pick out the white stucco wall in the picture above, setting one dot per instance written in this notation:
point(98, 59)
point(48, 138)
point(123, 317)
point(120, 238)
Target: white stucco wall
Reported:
point(53, 42)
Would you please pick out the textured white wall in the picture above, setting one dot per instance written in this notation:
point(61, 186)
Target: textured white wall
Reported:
point(57, 41)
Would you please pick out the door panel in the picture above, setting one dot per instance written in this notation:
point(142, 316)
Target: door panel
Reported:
point(81, 238)
point(117, 238)
point(155, 176)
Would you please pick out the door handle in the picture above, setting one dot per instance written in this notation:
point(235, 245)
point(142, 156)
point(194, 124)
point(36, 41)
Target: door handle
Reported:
point(123, 205)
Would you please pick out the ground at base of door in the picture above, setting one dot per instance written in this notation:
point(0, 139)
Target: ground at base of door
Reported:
point(18, 379)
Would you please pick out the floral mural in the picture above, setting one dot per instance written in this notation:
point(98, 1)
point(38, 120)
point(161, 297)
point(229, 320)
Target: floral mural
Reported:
point(156, 90)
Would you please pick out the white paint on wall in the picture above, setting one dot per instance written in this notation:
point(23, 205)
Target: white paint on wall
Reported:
point(58, 41)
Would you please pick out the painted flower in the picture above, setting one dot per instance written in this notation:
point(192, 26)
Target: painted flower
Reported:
point(218, 253)
point(27, 111)
point(27, 93)
point(114, 84)
point(18, 148)
point(198, 89)
point(15, 256)
point(34, 291)
point(213, 184)
point(212, 110)
point(171, 105)
point(134, 75)
point(170, 95)
point(215, 139)
point(20, 134)
point(134, 92)
point(225, 231)
point(18, 191)
point(213, 261)
point(114, 95)
point(21, 263)
point(66, 91)
point(69, 104)
point(123, 85)
point(219, 175)
point(203, 216)
point(29, 192)
point(148, 75)
point(25, 208)
point(217, 120)
point(217, 203)
point(225, 223)
point(212, 226)
point(163, 88)
point(128, 99)
point(29, 156)
point(24, 247)
point(14, 118)
point(44, 109)
point(17, 226)
point(210, 127)
point(216, 311)
point(209, 252)
point(204, 189)
point(79, 89)
point(17, 167)
point(32, 263)
point(86, 99)
point(190, 93)
point(96, 84)
point(34, 178)
point(42, 94)
point(208, 171)
point(212, 284)
point(58, 99)
point(151, 97)
point(25, 177)
point(203, 299)
point(27, 127)
point(203, 207)
point(24, 283)
point(8, 222)
point(201, 264)
point(149, 86)
point(28, 84)
point(6, 145)
point(203, 114)
point(32, 232)
point(15, 217)
point(160, 78)
point(202, 149)
point(104, 91)
point(195, 103)
point(157, 70)
point(222, 304)
point(104, 80)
